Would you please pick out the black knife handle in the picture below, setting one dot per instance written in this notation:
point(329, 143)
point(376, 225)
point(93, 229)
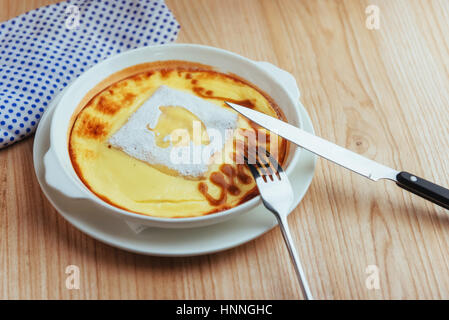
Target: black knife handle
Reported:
point(423, 188)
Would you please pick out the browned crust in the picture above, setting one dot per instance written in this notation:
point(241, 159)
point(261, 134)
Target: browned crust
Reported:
point(132, 71)
point(167, 67)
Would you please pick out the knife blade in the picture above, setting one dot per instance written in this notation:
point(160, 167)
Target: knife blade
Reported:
point(346, 158)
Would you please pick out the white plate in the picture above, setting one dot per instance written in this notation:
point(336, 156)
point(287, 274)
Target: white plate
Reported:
point(166, 242)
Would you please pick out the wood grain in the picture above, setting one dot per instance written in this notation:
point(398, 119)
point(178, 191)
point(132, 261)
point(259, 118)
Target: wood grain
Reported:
point(382, 93)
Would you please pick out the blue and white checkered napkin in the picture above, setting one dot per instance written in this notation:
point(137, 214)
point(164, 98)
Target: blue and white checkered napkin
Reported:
point(43, 50)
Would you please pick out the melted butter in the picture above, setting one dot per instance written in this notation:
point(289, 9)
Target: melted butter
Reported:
point(178, 126)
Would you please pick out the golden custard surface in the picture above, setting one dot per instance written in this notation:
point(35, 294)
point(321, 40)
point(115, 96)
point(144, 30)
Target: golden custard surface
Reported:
point(138, 187)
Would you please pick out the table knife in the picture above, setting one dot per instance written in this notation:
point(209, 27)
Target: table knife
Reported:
point(346, 158)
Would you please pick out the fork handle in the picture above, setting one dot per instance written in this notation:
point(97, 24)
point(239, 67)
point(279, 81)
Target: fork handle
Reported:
point(283, 224)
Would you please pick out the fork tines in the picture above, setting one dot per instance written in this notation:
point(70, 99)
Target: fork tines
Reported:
point(265, 164)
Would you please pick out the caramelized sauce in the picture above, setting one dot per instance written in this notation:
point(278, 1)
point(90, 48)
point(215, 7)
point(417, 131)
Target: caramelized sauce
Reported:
point(242, 176)
point(209, 95)
point(228, 184)
point(226, 181)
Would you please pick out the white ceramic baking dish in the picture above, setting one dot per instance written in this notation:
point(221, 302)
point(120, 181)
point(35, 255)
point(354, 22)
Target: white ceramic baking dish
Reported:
point(279, 84)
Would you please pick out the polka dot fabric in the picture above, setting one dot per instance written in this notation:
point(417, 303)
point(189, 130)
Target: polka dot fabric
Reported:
point(43, 50)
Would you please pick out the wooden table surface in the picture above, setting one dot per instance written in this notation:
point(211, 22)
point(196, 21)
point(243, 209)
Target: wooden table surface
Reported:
point(381, 92)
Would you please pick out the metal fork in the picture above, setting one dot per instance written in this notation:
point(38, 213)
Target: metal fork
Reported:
point(277, 196)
